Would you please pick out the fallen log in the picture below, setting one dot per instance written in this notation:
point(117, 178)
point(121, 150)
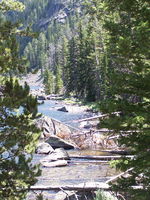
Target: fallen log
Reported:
point(100, 157)
point(118, 176)
point(120, 152)
point(81, 187)
point(96, 117)
point(87, 161)
point(93, 131)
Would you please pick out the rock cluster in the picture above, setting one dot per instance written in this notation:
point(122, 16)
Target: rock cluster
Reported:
point(59, 135)
point(57, 158)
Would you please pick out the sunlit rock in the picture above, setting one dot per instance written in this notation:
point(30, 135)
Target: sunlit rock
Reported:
point(44, 148)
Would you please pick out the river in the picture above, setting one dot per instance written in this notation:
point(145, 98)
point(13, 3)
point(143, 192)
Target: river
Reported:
point(77, 171)
point(49, 108)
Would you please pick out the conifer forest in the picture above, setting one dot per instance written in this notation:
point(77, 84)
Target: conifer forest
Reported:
point(93, 53)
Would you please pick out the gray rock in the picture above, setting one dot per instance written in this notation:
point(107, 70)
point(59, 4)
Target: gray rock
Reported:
point(61, 154)
point(58, 154)
point(61, 130)
point(87, 126)
point(58, 158)
point(41, 97)
point(63, 109)
point(57, 142)
point(50, 158)
point(57, 163)
point(44, 148)
point(45, 124)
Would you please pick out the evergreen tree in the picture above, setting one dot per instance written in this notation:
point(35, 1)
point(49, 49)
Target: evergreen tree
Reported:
point(48, 82)
point(18, 110)
point(71, 70)
point(58, 81)
point(128, 24)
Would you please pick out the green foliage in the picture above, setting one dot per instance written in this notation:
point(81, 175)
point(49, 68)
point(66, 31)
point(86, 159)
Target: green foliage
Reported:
point(48, 81)
point(9, 48)
point(58, 81)
point(128, 26)
point(40, 197)
point(18, 110)
point(101, 195)
point(11, 5)
point(18, 137)
point(86, 70)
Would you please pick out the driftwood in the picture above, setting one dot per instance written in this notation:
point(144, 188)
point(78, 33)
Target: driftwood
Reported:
point(118, 176)
point(88, 161)
point(120, 152)
point(80, 187)
point(100, 131)
point(91, 132)
point(96, 117)
point(100, 157)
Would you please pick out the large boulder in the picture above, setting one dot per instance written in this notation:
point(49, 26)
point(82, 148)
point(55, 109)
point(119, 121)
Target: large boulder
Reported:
point(46, 125)
point(44, 148)
point(61, 130)
point(57, 142)
point(50, 127)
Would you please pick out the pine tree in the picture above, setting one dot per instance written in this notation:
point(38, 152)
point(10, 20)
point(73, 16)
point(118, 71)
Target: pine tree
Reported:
point(58, 81)
point(98, 37)
point(71, 70)
point(128, 24)
point(48, 82)
point(18, 110)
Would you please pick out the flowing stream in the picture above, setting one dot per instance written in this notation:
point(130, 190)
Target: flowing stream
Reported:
point(49, 108)
point(78, 171)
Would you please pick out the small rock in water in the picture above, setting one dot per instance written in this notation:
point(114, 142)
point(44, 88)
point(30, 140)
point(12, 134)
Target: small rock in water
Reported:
point(41, 97)
point(57, 163)
point(61, 154)
point(58, 158)
point(63, 109)
point(58, 154)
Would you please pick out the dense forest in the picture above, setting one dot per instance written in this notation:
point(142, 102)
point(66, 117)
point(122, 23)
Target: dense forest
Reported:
point(67, 40)
point(95, 50)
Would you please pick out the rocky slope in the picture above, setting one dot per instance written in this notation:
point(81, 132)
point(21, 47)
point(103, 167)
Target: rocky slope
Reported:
point(59, 10)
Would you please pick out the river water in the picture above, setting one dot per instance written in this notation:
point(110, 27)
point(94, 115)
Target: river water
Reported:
point(49, 108)
point(78, 171)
